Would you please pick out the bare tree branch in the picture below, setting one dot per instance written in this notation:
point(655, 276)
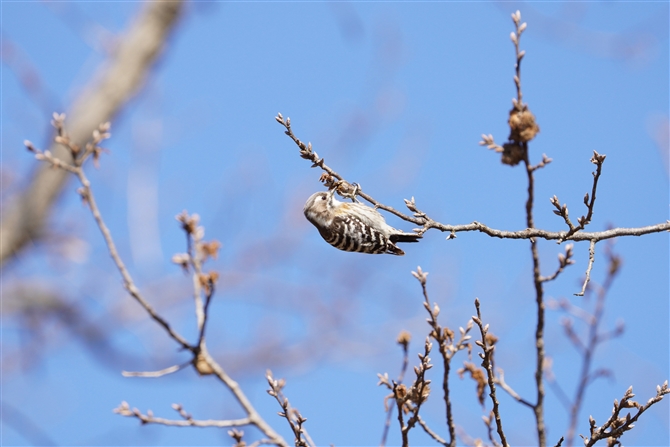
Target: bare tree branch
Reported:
point(431, 433)
point(500, 380)
point(448, 347)
point(616, 426)
point(589, 346)
point(592, 258)
point(564, 260)
point(292, 415)
point(187, 420)
point(403, 340)
point(161, 373)
point(487, 364)
point(202, 361)
point(87, 195)
point(426, 223)
point(562, 211)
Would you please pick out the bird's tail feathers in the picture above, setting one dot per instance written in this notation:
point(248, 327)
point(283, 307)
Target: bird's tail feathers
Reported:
point(405, 237)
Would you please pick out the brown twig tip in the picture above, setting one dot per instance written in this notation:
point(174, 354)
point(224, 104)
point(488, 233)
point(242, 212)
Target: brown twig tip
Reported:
point(617, 425)
point(292, 415)
point(122, 408)
point(237, 435)
point(545, 161)
point(564, 260)
point(183, 260)
point(598, 159)
point(420, 275)
point(189, 223)
point(57, 119)
point(487, 363)
point(487, 140)
point(404, 338)
point(207, 281)
point(29, 146)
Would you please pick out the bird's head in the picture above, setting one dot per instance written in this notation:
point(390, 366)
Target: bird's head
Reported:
point(319, 207)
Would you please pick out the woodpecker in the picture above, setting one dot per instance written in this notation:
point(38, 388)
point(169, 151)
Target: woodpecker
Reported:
point(353, 226)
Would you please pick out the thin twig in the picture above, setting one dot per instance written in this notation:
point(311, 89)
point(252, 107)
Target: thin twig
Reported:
point(616, 426)
point(562, 211)
point(592, 258)
point(575, 311)
point(500, 380)
point(200, 351)
point(260, 442)
point(489, 429)
point(431, 433)
point(564, 260)
point(187, 421)
point(545, 161)
point(592, 342)
point(292, 415)
point(572, 335)
point(445, 340)
point(194, 236)
point(197, 252)
point(208, 300)
point(398, 391)
point(408, 399)
point(162, 372)
point(421, 387)
point(128, 282)
point(486, 363)
point(403, 340)
point(562, 396)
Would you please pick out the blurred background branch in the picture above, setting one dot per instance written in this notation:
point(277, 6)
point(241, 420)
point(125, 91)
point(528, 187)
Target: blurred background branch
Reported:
point(129, 63)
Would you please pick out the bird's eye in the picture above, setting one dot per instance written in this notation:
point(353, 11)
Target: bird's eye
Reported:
point(323, 197)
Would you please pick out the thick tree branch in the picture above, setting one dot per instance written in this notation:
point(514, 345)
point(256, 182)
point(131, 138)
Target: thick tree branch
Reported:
point(114, 84)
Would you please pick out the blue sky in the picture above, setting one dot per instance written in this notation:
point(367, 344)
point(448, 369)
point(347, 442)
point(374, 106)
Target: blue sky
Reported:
point(395, 97)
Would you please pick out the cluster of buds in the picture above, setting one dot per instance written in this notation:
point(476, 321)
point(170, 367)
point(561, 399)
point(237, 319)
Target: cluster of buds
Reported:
point(292, 415)
point(411, 205)
point(237, 436)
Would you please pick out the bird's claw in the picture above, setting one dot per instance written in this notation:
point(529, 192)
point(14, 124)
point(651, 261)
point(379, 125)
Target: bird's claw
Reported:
point(345, 190)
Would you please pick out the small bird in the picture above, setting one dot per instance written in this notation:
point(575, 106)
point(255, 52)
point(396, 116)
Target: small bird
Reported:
point(353, 226)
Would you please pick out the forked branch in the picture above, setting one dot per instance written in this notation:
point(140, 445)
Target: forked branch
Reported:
point(202, 360)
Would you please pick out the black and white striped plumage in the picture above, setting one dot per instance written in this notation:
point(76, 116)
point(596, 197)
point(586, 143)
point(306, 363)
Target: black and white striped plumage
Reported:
point(353, 226)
